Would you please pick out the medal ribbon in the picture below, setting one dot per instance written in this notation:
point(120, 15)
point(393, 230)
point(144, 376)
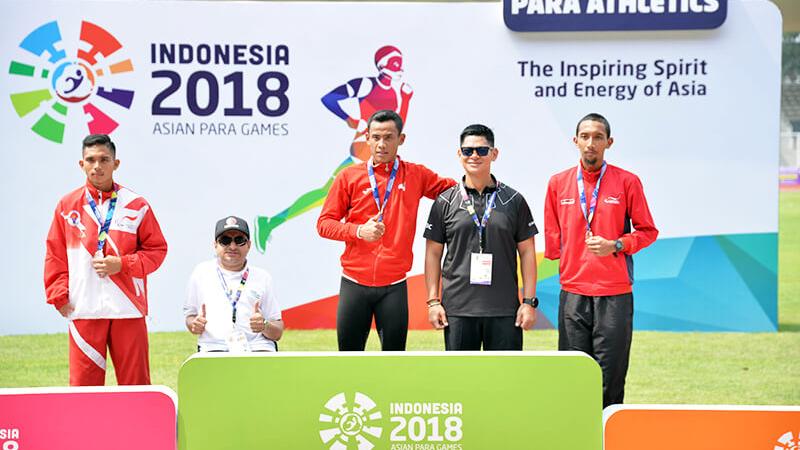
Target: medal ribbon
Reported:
point(483, 223)
point(593, 203)
point(374, 185)
point(229, 293)
point(102, 234)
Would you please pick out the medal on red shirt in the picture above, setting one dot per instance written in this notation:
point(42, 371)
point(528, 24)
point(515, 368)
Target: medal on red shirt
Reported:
point(374, 185)
point(589, 215)
point(102, 234)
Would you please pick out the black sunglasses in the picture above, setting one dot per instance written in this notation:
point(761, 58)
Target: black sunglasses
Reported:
point(482, 151)
point(226, 240)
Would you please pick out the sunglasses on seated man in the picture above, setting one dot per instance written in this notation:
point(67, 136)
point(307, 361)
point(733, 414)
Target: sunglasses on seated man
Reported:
point(482, 151)
point(226, 240)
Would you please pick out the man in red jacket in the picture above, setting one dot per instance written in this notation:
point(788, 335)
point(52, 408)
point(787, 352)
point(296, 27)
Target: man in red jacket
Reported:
point(103, 242)
point(378, 201)
point(596, 217)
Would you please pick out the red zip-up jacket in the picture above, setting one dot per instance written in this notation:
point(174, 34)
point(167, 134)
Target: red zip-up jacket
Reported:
point(620, 204)
point(387, 260)
point(134, 236)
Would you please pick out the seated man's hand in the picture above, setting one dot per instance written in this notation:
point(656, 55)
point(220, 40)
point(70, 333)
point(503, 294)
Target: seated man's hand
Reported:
point(198, 324)
point(257, 319)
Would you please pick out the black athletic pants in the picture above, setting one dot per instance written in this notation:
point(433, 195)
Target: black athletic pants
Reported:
point(358, 304)
point(495, 333)
point(601, 327)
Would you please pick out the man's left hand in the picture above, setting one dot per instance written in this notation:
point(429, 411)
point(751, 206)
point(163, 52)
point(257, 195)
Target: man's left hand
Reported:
point(600, 246)
point(526, 316)
point(107, 265)
point(257, 319)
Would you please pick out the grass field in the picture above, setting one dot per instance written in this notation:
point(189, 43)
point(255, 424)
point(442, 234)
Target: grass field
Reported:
point(696, 368)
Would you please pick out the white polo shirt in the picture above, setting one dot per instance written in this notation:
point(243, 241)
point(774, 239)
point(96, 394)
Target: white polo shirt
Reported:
point(206, 288)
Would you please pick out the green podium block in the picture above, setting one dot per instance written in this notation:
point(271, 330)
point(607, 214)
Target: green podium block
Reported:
point(403, 400)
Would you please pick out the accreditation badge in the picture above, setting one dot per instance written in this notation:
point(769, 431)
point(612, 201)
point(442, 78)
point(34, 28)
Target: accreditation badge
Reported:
point(237, 341)
point(480, 269)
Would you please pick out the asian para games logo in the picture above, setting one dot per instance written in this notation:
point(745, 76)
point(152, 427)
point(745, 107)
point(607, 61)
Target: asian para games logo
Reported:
point(350, 426)
point(57, 82)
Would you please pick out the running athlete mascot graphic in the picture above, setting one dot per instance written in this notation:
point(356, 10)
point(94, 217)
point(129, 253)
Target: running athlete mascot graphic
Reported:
point(353, 102)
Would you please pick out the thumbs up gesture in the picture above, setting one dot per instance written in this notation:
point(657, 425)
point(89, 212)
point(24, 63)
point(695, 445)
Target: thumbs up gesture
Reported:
point(257, 319)
point(198, 324)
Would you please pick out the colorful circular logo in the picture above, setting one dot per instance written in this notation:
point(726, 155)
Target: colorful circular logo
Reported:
point(60, 82)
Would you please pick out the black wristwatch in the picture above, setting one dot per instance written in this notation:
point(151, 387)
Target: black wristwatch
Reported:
point(618, 246)
point(534, 302)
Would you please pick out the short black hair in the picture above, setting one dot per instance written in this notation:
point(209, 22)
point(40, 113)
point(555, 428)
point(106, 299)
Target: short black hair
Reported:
point(386, 115)
point(478, 130)
point(594, 117)
point(100, 139)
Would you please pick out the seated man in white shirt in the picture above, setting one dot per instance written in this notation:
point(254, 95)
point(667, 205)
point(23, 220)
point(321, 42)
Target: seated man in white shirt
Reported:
point(230, 305)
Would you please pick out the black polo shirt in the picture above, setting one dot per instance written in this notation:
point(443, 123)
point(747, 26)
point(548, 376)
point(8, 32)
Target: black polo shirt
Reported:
point(449, 223)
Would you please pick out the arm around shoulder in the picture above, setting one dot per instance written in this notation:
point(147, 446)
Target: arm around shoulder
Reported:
point(435, 184)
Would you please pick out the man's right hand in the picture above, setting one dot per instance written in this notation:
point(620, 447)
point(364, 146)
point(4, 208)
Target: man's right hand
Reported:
point(437, 317)
point(66, 310)
point(198, 324)
point(372, 230)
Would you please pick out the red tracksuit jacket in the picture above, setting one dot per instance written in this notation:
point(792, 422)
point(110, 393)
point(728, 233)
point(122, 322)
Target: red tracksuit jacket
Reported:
point(134, 235)
point(620, 203)
point(389, 259)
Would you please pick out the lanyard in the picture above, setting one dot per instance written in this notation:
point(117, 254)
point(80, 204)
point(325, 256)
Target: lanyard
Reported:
point(593, 203)
point(104, 226)
point(483, 223)
point(374, 185)
point(229, 293)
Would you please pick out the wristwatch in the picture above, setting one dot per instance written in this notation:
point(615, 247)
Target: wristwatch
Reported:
point(618, 246)
point(534, 302)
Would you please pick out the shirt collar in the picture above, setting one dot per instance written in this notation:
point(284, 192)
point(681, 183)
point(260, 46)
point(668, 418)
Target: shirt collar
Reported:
point(387, 166)
point(488, 189)
point(589, 177)
point(94, 192)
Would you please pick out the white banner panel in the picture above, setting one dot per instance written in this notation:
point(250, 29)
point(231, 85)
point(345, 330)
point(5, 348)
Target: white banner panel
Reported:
point(227, 117)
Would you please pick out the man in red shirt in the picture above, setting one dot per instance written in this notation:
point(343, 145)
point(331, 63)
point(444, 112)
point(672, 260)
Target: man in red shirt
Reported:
point(372, 207)
point(596, 217)
point(103, 242)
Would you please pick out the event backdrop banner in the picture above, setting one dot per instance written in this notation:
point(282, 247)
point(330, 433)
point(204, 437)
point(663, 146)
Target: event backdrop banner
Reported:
point(393, 400)
point(250, 108)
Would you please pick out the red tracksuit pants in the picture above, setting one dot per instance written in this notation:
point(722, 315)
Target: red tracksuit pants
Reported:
point(126, 340)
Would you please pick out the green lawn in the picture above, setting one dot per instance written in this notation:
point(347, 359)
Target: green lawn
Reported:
point(696, 368)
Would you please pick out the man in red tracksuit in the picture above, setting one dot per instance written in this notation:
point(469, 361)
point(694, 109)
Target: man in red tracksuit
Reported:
point(596, 217)
point(378, 201)
point(103, 242)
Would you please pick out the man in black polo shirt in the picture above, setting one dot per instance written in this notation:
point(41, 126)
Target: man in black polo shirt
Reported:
point(484, 224)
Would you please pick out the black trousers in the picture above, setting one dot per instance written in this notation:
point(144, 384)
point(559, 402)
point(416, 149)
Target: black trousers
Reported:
point(601, 327)
point(358, 304)
point(495, 333)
